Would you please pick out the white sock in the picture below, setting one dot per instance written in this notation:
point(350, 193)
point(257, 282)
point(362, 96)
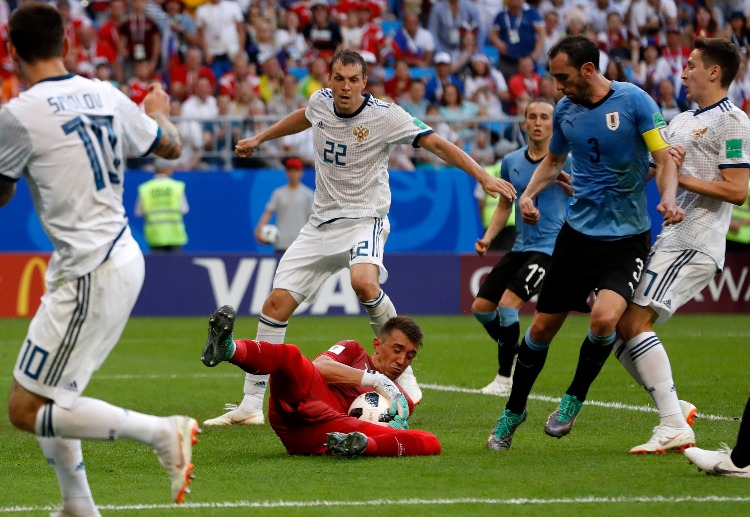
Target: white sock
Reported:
point(649, 357)
point(66, 459)
point(92, 419)
point(624, 357)
point(271, 331)
point(380, 310)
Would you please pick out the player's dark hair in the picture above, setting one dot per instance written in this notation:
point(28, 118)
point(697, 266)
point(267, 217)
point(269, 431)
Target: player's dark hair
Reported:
point(37, 31)
point(408, 326)
point(722, 53)
point(349, 57)
point(579, 49)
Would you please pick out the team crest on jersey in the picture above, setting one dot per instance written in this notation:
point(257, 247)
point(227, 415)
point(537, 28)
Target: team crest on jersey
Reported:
point(613, 120)
point(361, 133)
point(699, 132)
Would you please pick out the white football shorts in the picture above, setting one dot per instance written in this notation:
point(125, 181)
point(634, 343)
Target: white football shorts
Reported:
point(319, 252)
point(673, 278)
point(78, 324)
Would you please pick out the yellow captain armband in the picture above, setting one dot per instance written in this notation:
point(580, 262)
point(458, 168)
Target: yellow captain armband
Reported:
point(656, 139)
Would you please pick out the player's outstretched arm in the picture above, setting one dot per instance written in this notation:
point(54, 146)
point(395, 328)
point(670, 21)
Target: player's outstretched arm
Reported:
point(156, 105)
point(295, 122)
point(455, 156)
point(7, 191)
point(499, 219)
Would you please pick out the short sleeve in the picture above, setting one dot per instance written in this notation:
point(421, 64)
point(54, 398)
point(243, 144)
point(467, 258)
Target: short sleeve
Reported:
point(141, 133)
point(649, 120)
point(558, 143)
point(15, 146)
point(344, 352)
point(734, 132)
point(404, 128)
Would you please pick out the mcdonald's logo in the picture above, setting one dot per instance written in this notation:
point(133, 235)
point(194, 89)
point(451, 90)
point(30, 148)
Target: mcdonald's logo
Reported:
point(24, 283)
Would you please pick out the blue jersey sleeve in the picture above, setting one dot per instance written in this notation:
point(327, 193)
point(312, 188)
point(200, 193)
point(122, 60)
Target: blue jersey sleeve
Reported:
point(558, 144)
point(650, 121)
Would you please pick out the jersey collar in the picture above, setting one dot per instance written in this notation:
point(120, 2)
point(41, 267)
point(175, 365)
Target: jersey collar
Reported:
point(724, 101)
point(57, 77)
point(359, 110)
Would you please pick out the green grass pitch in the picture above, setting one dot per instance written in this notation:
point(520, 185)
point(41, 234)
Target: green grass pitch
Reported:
point(156, 369)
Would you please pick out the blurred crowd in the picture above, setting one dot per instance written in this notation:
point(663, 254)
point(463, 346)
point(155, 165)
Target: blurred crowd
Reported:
point(467, 67)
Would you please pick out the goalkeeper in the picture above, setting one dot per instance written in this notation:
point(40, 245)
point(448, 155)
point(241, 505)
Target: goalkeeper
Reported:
point(309, 401)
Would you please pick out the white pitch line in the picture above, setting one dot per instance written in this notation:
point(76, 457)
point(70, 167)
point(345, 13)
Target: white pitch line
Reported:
point(400, 502)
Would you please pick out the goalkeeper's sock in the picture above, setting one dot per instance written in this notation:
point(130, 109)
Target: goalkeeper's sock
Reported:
point(531, 358)
point(741, 454)
point(66, 459)
point(407, 443)
point(594, 352)
point(380, 309)
point(491, 323)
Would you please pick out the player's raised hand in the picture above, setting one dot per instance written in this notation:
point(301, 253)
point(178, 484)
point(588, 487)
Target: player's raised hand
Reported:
point(156, 101)
point(496, 186)
point(672, 213)
point(529, 212)
point(481, 246)
point(247, 146)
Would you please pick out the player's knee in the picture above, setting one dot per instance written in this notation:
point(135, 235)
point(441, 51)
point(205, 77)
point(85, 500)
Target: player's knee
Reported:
point(603, 324)
point(279, 305)
point(365, 288)
point(21, 414)
point(483, 305)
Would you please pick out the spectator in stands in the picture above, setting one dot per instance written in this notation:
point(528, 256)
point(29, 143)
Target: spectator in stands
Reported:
point(288, 99)
point(597, 12)
point(448, 18)
point(351, 31)
point(323, 33)
point(705, 22)
point(649, 68)
point(179, 32)
point(615, 41)
point(650, 18)
point(191, 136)
point(247, 97)
point(414, 101)
point(524, 84)
point(143, 76)
point(109, 31)
point(486, 87)
point(459, 113)
point(668, 104)
point(442, 128)
point(481, 150)
point(517, 32)
point(139, 39)
point(106, 72)
point(73, 23)
point(183, 78)
point(461, 58)
point(400, 82)
point(221, 27)
point(553, 32)
point(264, 45)
point(201, 107)
point(373, 39)
point(685, 14)
point(676, 54)
point(442, 77)
point(376, 88)
point(413, 43)
point(92, 52)
point(316, 79)
point(738, 33)
point(739, 91)
point(289, 39)
point(548, 91)
point(240, 72)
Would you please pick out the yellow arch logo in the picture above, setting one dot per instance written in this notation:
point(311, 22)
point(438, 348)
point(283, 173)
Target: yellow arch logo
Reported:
point(24, 285)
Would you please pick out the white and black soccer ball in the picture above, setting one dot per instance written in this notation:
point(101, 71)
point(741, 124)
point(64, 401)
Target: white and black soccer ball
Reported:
point(270, 233)
point(371, 407)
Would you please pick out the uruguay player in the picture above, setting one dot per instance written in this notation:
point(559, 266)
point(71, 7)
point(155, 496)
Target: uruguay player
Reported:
point(609, 128)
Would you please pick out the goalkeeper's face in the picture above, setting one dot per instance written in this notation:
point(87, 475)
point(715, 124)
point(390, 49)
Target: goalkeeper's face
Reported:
point(393, 354)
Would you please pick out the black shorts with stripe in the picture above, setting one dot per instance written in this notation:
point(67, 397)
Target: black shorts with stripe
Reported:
point(581, 264)
point(521, 272)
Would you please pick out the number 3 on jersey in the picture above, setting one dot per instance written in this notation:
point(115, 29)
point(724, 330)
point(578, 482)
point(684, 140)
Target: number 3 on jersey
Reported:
point(334, 153)
point(101, 153)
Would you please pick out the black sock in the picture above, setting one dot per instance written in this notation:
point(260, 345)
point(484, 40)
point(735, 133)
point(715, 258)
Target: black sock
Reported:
point(590, 362)
point(741, 453)
point(493, 327)
point(507, 348)
point(528, 365)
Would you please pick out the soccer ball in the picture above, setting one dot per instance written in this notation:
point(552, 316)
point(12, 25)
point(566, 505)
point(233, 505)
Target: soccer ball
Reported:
point(270, 233)
point(372, 408)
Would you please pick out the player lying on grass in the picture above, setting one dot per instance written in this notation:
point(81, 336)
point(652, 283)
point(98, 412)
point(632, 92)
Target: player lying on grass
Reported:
point(309, 402)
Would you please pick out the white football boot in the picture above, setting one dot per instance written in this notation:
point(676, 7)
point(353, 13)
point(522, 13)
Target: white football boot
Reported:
point(236, 416)
point(665, 439)
point(716, 463)
point(499, 386)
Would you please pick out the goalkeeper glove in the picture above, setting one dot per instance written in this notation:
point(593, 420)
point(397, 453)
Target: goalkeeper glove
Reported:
point(386, 388)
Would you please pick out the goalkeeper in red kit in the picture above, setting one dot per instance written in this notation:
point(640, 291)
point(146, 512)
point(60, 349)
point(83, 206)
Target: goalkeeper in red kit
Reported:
point(309, 402)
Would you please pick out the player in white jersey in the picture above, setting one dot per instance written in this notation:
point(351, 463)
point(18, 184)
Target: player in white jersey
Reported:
point(66, 135)
point(352, 135)
point(715, 141)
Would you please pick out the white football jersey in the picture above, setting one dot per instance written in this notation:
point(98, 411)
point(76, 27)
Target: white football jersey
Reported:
point(715, 138)
point(351, 155)
point(67, 135)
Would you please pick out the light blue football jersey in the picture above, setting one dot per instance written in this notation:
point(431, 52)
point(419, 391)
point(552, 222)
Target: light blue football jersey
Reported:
point(609, 143)
point(552, 203)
